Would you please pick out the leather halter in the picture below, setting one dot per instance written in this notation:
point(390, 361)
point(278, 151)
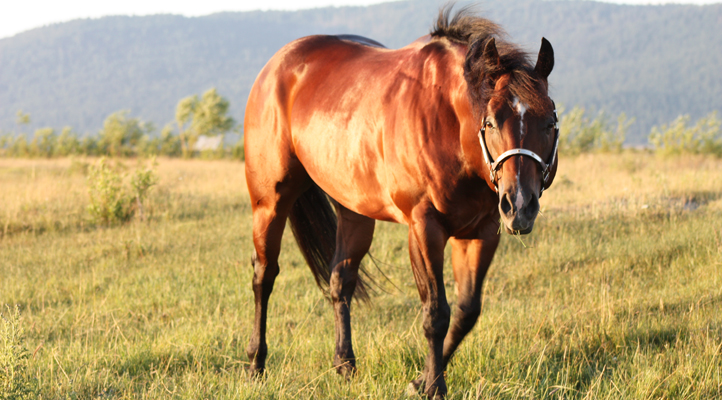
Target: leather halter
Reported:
point(495, 165)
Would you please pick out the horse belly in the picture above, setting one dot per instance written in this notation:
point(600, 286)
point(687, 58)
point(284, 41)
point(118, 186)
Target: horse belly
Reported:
point(346, 162)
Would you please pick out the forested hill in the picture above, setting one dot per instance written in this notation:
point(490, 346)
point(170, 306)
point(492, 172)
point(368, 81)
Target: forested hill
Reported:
point(651, 62)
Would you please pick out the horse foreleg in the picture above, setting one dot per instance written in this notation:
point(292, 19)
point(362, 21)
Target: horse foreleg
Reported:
point(471, 259)
point(426, 248)
point(353, 239)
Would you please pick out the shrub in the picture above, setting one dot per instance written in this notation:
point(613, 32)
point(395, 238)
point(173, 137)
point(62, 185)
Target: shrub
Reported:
point(238, 151)
point(677, 138)
point(14, 357)
point(109, 204)
point(141, 181)
point(115, 197)
point(579, 134)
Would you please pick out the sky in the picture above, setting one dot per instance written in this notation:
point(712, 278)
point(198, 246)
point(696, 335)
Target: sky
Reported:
point(20, 15)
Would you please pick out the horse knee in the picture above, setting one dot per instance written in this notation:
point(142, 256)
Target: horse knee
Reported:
point(436, 321)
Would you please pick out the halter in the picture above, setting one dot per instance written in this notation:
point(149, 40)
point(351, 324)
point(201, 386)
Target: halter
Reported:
point(495, 165)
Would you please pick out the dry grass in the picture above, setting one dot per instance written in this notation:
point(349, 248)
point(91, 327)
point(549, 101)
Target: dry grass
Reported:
point(633, 182)
point(616, 295)
point(41, 195)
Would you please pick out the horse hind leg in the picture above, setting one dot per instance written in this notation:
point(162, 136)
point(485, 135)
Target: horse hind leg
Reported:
point(268, 226)
point(270, 212)
point(353, 240)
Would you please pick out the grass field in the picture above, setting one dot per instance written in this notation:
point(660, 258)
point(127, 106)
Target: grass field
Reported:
point(616, 295)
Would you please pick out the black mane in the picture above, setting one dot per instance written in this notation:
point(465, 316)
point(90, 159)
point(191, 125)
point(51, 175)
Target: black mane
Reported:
point(466, 28)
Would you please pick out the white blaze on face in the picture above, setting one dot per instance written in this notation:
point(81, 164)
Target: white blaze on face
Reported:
point(519, 203)
point(520, 110)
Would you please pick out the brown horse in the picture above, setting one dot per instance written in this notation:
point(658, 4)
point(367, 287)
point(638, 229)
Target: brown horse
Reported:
point(447, 135)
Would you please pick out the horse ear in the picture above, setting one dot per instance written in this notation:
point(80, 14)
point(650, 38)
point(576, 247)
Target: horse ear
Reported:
point(491, 54)
point(545, 61)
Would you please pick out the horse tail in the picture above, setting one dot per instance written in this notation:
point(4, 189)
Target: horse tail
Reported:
point(314, 224)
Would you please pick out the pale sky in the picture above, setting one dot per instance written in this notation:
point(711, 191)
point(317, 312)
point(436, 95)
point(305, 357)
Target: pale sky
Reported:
point(20, 15)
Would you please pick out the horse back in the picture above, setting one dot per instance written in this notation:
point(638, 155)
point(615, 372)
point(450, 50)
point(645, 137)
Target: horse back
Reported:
point(369, 125)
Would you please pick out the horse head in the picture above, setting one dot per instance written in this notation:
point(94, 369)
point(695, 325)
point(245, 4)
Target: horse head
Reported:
point(518, 133)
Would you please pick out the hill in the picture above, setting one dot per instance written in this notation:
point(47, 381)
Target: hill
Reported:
point(651, 62)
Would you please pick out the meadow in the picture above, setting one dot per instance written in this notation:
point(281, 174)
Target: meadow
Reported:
point(617, 294)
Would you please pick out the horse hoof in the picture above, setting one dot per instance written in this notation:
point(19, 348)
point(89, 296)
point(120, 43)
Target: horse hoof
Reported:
point(411, 390)
point(415, 387)
point(347, 370)
point(256, 372)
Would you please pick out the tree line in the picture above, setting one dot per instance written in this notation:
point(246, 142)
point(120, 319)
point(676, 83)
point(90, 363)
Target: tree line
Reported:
point(197, 117)
point(652, 62)
point(581, 133)
point(206, 116)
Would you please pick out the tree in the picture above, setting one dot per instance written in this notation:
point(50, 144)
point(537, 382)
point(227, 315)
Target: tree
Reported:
point(22, 118)
point(183, 113)
point(67, 143)
point(207, 116)
point(170, 145)
point(43, 143)
point(121, 134)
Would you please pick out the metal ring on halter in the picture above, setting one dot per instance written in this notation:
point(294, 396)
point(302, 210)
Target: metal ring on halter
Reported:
point(495, 165)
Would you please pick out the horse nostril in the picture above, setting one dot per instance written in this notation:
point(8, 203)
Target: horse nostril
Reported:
point(505, 204)
point(532, 208)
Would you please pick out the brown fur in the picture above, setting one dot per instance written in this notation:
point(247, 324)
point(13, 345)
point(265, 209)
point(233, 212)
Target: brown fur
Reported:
point(392, 135)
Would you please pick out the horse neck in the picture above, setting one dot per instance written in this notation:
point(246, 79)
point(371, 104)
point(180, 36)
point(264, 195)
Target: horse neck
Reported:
point(446, 60)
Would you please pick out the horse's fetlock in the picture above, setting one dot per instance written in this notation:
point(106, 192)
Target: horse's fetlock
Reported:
point(256, 350)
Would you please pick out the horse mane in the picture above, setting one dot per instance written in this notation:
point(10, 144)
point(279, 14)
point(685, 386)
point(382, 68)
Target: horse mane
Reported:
point(466, 28)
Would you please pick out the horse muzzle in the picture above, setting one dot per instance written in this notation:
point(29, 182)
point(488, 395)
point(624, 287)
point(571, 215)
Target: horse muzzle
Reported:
point(518, 211)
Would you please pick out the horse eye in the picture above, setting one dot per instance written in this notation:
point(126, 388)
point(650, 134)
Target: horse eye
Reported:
point(551, 126)
point(489, 125)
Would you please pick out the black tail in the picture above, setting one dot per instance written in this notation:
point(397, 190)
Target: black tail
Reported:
point(313, 222)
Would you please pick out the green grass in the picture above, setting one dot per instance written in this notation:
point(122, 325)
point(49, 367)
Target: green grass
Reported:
point(617, 294)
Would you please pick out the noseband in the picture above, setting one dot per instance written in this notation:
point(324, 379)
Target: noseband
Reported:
point(494, 166)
